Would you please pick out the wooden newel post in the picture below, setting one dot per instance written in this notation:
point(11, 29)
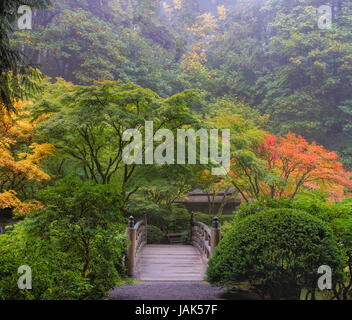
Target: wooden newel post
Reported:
point(215, 235)
point(131, 247)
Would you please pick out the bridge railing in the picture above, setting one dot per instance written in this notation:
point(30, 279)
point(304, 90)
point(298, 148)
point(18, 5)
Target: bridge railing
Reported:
point(204, 238)
point(201, 236)
point(137, 236)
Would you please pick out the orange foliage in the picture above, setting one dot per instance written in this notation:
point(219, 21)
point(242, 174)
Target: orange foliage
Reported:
point(20, 157)
point(8, 199)
point(300, 163)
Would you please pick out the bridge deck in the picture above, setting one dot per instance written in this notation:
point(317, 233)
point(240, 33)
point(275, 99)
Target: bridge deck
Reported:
point(170, 263)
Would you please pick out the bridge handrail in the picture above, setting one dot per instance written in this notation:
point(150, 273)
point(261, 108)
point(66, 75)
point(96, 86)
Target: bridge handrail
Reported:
point(201, 236)
point(137, 235)
point(204, 238)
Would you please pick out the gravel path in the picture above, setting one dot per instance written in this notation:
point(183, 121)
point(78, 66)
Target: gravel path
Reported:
point(174, 290)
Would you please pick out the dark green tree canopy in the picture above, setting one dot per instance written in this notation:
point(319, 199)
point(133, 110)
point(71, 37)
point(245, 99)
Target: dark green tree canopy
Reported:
point(16, 74)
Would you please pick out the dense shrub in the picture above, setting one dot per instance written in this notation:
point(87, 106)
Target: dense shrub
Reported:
point(170, 219)
point(154, 234)
point(308, 204)
point(340, 218)
point(75, 245)
point(180, 221)
point(54, 275)
point(277, 251)
point(225, 227)
point(208, 219)
point(316, 203)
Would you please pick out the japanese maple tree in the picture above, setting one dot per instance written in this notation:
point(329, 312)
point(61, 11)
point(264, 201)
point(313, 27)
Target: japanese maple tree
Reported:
point(292, 163)
point(20, 158)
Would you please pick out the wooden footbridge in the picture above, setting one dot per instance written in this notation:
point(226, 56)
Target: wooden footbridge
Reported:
point(174, 262)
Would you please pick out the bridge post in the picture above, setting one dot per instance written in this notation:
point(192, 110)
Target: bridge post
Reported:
point(215, 235)
point(131, 247)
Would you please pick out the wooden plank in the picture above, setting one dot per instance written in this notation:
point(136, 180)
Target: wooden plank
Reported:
point(170, 262)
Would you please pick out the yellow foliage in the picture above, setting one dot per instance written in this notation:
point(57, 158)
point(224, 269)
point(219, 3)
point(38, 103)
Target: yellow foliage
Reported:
point(20, 157)
point(177, 4)
point(222, 12)
point(8, 199)
point(206, 25)
point(167, 9)
point(203, 29)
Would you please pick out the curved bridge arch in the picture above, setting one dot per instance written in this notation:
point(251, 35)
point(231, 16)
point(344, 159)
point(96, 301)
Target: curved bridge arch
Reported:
point(170, 262)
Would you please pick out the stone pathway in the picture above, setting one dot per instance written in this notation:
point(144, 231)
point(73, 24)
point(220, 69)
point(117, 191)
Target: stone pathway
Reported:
point(167, 290)
point(176, 290)
point(173, 272)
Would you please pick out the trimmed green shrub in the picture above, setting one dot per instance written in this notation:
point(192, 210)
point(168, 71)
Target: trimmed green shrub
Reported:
point(225, 218)
point(256, 206)
point(154, 234)
point(308, 204)
point(225, 227)
point(278, 252)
